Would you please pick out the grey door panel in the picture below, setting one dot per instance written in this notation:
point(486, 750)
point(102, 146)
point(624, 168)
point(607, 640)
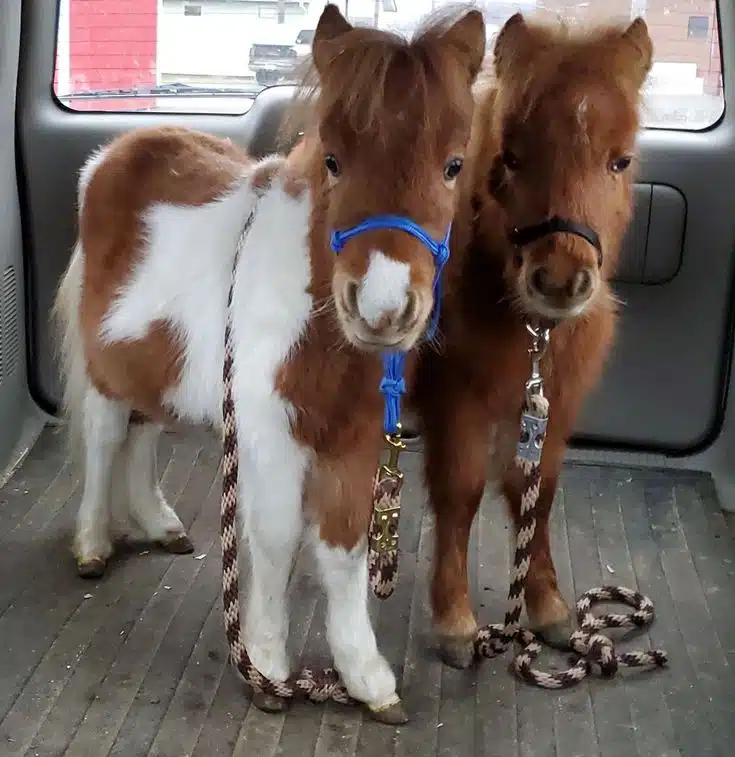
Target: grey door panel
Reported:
point(633, 252)
point(664, 386)
point(14, 402)
point(652, 249)
point(665, 235)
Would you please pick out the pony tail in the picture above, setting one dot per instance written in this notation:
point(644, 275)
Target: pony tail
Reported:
point(65, 315)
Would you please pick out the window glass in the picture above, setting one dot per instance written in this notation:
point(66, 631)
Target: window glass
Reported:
point(214, 56)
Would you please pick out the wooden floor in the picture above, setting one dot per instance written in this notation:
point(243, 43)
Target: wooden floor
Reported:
point(134, 664)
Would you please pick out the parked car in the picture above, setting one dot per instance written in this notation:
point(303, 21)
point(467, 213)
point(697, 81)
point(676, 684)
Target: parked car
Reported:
point(276, 60)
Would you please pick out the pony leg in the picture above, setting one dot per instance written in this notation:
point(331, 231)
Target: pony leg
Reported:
point(548, 612)
point(342, 495)
point(456, 444)
point(148, 506)
point(123, 527)
point(105, 425)
point(365, 672)
point(271, 493)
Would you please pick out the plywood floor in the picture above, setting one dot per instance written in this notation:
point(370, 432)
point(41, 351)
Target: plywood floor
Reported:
point(134, 664)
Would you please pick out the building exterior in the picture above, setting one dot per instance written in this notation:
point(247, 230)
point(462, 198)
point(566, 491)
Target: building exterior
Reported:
point(684, 31)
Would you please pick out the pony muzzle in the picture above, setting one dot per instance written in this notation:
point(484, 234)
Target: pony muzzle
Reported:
point(559, 272)
point(393, 301)
point(382, 310)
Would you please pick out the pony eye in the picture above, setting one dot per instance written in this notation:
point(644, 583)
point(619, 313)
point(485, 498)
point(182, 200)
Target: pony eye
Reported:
point(452, 169)
point(332, 165)
point(510, 160)
point(618, 165)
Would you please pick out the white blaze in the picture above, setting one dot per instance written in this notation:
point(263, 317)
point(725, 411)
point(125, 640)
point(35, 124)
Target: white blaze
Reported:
point(383, 288)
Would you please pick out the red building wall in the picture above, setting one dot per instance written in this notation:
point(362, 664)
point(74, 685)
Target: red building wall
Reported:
point(112, 45)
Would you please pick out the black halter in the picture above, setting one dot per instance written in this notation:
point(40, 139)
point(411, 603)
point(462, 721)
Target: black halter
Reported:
point(555, 225)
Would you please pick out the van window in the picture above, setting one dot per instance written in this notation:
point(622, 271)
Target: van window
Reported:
point(214, 56)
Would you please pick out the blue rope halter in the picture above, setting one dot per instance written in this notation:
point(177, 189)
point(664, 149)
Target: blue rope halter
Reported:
point(392, 385)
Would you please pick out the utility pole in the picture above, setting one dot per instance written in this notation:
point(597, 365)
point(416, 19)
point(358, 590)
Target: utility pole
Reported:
point(376, 13)
point(281, 11)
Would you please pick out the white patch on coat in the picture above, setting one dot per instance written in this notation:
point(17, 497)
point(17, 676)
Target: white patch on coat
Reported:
point(271, 480)
point(182, 278)
point(383, 288)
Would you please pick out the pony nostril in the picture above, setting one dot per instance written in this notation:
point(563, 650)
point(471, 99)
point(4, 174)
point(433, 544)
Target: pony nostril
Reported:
point(408, 316)
point(351, 291)
point(581, 284)
point(538, 279)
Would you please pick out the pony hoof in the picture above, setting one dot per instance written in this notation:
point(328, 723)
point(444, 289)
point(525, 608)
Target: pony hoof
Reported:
point(270, 703)
point(92, 568)
point(457, 652)
point(179, 544)
point(391, 713)
point(557, 635)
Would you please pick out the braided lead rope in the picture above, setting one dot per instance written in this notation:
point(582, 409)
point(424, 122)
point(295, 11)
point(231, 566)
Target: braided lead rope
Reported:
point(595, 650)
point(383, 534)
point(318, 685)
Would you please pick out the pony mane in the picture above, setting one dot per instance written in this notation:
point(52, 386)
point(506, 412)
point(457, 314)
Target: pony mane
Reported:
point(368, 88)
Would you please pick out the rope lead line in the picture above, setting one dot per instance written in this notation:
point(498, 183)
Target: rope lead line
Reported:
point(594, 649)
point(317, 685)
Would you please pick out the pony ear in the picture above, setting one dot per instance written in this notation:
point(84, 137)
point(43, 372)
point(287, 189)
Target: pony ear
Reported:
point(331, 25)
point(466, 37)
point(635, 55)
point(510, 43)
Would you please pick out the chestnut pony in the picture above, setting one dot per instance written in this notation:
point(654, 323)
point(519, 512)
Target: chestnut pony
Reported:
point(144, 301)
point(545, 199)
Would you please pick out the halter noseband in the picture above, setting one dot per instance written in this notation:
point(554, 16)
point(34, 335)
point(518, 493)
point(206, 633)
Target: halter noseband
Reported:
point(392, 385)
point(525, 235)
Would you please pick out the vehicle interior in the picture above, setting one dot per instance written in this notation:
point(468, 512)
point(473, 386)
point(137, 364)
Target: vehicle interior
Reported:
point(136, 662)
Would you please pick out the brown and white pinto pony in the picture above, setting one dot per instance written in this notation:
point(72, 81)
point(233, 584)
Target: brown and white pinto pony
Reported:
point(143, 306)
point(553, 141)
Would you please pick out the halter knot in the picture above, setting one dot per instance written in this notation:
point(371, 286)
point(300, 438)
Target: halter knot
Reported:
point(441, 255)
point(392, 387)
